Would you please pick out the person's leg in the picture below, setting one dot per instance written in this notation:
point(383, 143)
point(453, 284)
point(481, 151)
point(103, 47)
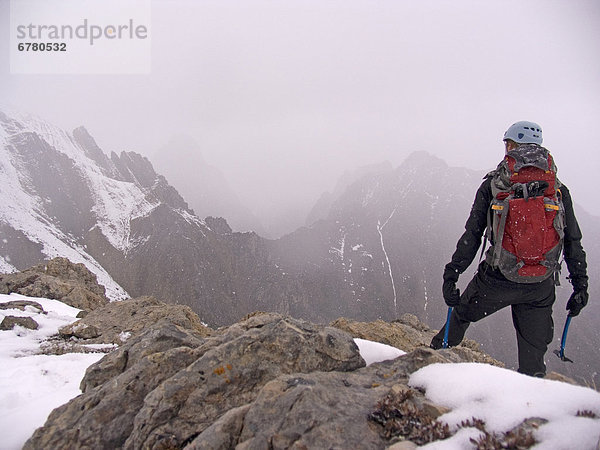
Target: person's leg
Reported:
point(535, 329)
point(458, 328)
point(480, 299)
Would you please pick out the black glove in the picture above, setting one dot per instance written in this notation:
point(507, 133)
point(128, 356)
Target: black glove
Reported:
point(578, 300)
point(451, 293)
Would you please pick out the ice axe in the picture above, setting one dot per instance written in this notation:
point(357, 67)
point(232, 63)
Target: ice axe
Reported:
point(561, 353)
point(447, 328)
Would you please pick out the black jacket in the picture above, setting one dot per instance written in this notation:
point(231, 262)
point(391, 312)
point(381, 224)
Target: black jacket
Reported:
point(470, 241)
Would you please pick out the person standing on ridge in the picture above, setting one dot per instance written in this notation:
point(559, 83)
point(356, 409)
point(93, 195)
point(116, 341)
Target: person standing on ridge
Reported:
point(527, 215)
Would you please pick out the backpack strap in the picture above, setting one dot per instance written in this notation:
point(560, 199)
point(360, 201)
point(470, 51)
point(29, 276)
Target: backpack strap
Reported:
point(503, 207)
point(487, 235)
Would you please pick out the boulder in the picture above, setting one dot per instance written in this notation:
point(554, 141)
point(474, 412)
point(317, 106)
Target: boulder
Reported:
point(57, 279)
point(9, 322)
point(115, 322)
point(320, 410)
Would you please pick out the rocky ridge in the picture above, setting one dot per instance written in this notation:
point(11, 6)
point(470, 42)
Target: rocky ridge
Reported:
point(269, 381)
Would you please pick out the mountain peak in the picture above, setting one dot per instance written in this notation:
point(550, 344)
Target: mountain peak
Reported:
point(420, 158)
point(90, 147)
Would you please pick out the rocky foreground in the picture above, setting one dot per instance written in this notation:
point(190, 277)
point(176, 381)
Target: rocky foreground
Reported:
point(266, 382)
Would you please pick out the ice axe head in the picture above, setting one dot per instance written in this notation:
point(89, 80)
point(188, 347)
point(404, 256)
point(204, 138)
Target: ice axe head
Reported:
point(561, 355)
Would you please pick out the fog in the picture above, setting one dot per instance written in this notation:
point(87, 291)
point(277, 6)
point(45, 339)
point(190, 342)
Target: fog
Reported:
point(284, 96)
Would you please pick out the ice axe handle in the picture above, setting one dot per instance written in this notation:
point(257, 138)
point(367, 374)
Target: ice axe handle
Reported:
point(447, 328)
point(563, 341)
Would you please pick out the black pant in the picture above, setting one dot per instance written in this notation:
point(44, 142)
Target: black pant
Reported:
point(488, 292)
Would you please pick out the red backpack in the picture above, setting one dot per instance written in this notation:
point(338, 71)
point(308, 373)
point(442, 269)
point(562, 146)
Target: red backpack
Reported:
point(526, 220)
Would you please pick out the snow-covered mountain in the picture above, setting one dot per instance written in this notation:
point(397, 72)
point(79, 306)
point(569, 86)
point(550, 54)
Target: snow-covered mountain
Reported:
point(46, 210)
point(61, 195)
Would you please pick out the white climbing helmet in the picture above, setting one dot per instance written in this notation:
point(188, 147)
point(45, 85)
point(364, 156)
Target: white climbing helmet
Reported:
point(524, 133)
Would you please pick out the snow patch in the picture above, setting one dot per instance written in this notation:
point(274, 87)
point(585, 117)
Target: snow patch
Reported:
point(340, 251)
point(503, 399)
point(124, 335)
point(5, 266)
point(118, 203)
point(374, 352)
point(32, 385)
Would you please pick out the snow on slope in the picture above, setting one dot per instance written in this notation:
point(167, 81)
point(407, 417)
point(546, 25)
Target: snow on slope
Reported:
point(32, 385)
point(25, 213)
point(6, 267)
point(116, 202)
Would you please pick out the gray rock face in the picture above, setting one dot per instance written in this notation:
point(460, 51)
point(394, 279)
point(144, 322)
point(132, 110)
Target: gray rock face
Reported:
point(103, 417)
point(231, 375)
point(57, 279)
point(165, 386)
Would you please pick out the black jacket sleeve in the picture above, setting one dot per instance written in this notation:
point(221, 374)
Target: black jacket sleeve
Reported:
point(469, 242)
point(573, 250)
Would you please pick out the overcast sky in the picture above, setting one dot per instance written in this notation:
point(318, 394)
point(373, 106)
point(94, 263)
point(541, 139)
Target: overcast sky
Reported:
point(283, 96)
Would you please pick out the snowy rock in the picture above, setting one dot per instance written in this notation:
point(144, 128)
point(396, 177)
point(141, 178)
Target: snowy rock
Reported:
point(79, 330)
point(9, 322)
point(57, 279)
point(22, 305)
